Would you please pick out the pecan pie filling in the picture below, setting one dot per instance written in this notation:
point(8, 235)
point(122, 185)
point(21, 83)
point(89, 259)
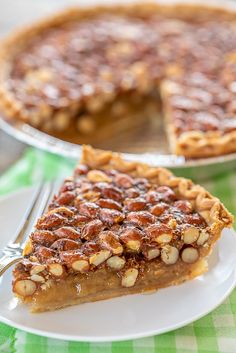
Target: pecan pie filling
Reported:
point(85, 68)
point(107, 224)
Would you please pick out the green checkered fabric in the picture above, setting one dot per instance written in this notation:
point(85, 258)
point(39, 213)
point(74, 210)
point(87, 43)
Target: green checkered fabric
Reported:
point(214, 333)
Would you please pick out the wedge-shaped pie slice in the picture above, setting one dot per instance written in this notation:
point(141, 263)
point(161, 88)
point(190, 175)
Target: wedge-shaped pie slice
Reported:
point(117, 228)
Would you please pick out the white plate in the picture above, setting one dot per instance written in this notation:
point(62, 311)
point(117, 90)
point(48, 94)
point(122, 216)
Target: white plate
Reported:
point(123, 318)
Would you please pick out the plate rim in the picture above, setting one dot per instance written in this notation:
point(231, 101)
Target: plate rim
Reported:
point(124, 337)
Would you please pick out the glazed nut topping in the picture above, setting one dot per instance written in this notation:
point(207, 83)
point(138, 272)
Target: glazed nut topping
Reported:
point(116, 263)
point(105, 220)
point(190, 235)
point(189, 255)
point(169, 254)
point(100, 257)
point(129, 278)
point(25, 287)
point(67, 76)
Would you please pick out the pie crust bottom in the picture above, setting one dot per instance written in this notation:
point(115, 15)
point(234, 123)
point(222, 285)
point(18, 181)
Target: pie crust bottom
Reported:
point(105, 284)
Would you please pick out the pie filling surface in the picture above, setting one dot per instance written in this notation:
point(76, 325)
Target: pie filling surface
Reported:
point(117, 228)
point(72, 74)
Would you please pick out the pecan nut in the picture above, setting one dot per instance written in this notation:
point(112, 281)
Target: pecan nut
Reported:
point(137, 204)
point(160, 233)
point(99, 257)
point(159, 209)
point(190, 234)
point(88, 209)
point(91, 229)
point(56, 270)
point(107, 203)
point(112, 192)
point(76, 260)
point(150, 251)
point(132, 193)
point(184, 206)
point(65, 198)
point(129, 278)
point(110, 216)
point(43, 237)
point(124, 181)
point(141, 218)
point(50, 221)
point(63, 211)
point(67, 232)
point(169, 254)
point(64, 244)
point(45, 254)
point(109, 241)
point(116, 263)
point(203, 237)
point(189, 255)
point(24, 287)
point(132, 238)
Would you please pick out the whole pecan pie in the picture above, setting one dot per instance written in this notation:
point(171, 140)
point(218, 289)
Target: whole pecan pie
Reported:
point(70, 74)
point(117, 228)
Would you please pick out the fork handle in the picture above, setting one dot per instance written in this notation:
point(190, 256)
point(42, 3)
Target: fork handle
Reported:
point(7, 261)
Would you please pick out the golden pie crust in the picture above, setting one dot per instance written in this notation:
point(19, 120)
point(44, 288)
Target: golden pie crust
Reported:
point(192, 142)
point(117, 228)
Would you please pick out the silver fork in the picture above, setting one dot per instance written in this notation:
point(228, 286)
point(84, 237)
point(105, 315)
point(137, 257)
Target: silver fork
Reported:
point(12, 252)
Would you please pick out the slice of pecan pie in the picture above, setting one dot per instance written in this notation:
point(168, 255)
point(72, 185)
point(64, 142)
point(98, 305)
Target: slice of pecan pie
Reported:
point(117, 228)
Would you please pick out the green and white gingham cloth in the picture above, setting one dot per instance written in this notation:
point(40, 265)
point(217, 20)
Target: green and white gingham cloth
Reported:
point(214, 333)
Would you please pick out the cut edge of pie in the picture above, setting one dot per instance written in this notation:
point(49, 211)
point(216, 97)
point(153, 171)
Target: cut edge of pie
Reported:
point(113, 269)
point(194, 144)
point(191, 144)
